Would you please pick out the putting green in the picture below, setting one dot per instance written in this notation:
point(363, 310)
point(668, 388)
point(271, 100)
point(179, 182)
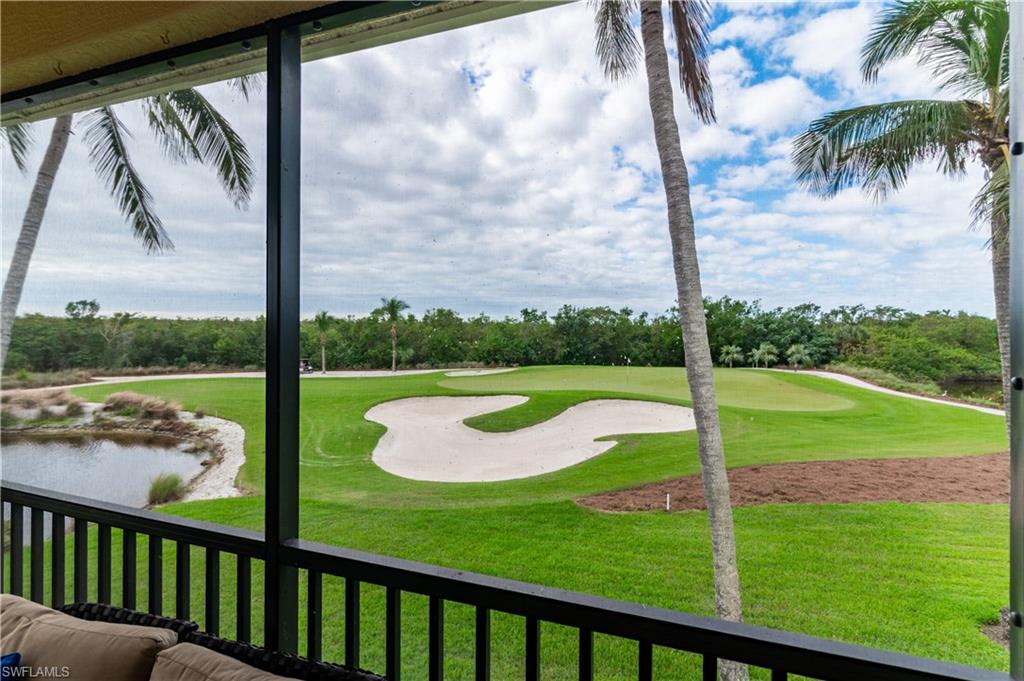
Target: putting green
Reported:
point(736, 387)
point(917, 578)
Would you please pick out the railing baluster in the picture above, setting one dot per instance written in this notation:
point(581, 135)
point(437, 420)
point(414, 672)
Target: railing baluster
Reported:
point(3, 549)
point(436, 639)
point(483, 644)
point(780, 675)
point(243, 599)
point(645, 662)
point(393, 634)
point(314, 614)
point(532, 649)
point(352, 622)
point(81, 560)
point(183, 581)
point(129, 593)
point(36, 559)
point(156, 575)
point(17, 549)
point(212, 600)
point(710, 668)
point(57, 528)
point(103, 563)
point(586, 655)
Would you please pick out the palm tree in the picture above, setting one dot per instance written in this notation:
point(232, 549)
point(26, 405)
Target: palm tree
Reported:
point(965, 44)
point(392, 310)
point(188, 127)
point(619, 52)
point(322, 321)
point(798, 355)
point(765, 353)
point(730, 354)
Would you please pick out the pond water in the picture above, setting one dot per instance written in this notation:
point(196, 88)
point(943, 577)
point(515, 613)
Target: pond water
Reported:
point(117, 469)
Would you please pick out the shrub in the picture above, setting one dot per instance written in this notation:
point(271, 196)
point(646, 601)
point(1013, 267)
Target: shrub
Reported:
point(142, 406)
point(199, 413)
point(45, 414)
point(165, 488)
point(75, 407)
point(8, 419)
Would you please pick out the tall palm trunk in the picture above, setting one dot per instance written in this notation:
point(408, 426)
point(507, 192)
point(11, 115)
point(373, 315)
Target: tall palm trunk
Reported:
point(697, 352)
point(18, 270)
point(323, 355)
point(1001, 288)
point(394, 347)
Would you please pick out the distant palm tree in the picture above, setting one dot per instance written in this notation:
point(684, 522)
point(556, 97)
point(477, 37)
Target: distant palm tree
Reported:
point(620, 54)
point(392, 309)
point(730, 354)
point(965, 44)
point(798, 355)
point(765, 354)
point(323, 321)
point(189, 129)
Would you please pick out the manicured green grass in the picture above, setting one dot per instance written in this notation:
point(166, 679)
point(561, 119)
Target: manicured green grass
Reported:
point(917, 578)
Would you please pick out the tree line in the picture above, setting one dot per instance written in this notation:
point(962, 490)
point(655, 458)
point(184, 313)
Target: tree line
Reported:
point(934, 346)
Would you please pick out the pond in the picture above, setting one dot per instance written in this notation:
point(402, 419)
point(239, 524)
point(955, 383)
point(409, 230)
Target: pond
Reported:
point(116, 468)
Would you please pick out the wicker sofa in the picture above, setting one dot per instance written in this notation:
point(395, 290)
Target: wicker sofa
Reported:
point(97, 642)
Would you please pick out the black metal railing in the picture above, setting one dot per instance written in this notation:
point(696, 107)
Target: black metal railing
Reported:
point(784, 654)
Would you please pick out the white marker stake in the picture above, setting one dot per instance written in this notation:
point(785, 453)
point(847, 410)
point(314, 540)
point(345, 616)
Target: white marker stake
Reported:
point(668, 502)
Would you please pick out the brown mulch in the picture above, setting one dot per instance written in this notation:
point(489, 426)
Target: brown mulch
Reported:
point(974, 479)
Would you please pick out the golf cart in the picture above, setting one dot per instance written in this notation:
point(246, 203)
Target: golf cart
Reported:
point(305, 367)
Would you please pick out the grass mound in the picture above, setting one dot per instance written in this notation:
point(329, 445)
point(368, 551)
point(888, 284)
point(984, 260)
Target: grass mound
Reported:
point(165, 488)
point(141, 406)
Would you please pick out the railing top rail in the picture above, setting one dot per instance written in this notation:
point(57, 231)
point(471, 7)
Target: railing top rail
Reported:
point(222, 537)
point(769, 648)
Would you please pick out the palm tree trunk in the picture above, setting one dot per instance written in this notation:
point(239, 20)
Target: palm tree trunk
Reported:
point(14, 283)
point(1001, 288)
point(394, 347)
point(323, 357)
point(697, 352)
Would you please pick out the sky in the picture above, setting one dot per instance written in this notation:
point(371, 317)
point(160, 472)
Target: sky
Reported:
point(494, 168)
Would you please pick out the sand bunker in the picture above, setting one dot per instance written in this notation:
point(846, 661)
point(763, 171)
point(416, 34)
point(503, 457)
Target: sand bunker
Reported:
point(973, 479)
point(427, 439)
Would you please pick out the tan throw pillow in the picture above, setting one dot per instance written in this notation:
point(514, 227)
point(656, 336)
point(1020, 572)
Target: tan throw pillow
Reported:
point(88, 651)
point(189, 662)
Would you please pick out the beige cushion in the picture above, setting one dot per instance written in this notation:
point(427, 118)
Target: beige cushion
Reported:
point(189, 662)
point(91, 651)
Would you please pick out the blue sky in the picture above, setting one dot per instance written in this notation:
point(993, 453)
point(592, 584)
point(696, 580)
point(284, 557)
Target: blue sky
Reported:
point(494, 168)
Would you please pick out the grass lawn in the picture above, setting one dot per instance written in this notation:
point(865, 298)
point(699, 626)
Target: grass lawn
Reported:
point(917, 578)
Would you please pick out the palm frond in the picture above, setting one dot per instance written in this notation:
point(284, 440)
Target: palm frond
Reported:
point(992, 203)
point(961, 41)
point(170, 130)
point(19, 138)
point(875, 146)
point(690, 20)
point(105, 135)
point(217, 143)
point(615, 42)
point(247, 86)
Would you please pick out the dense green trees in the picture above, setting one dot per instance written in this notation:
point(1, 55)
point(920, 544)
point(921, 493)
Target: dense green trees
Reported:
point(922, 347)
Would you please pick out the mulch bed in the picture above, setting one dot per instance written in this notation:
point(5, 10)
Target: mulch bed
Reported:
point(974, 479)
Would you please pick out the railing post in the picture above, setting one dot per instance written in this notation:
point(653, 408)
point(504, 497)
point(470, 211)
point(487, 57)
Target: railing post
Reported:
point(1017, 341)
point(281, 593)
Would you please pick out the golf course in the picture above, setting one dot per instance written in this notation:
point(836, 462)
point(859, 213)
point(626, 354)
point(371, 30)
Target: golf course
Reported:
point(920, 578)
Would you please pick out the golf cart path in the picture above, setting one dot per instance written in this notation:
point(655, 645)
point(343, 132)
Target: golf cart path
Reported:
point(850, 380)
point(381, 373)
point(427, 438)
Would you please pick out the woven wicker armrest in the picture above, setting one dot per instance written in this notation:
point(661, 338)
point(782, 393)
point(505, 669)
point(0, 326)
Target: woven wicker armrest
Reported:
point(282, 664)
point(101, 612)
